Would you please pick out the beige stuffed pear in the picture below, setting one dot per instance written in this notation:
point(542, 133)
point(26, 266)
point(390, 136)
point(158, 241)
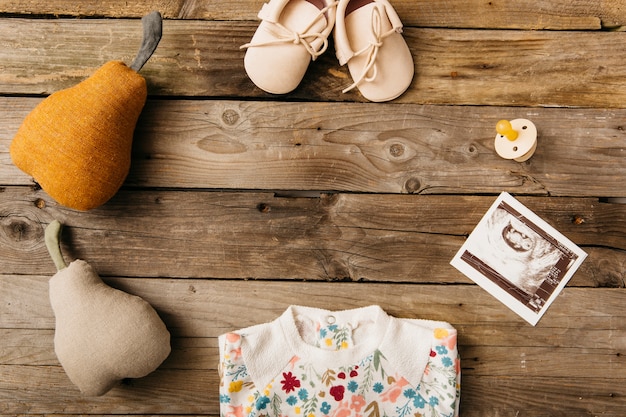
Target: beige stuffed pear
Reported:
point(103, 335)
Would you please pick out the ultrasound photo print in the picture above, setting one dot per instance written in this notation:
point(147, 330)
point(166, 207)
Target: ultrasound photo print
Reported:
point(518, 258)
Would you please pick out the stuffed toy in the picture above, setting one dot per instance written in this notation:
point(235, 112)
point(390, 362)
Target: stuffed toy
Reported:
point(77, 142)
point(103, 335)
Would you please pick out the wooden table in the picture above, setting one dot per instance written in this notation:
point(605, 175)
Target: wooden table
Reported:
point(240, 203)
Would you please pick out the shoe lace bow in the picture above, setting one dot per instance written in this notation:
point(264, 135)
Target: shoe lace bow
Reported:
point(372, 49)
point(306, 38)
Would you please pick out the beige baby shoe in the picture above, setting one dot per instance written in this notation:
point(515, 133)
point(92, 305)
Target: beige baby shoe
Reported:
point(368, 37)
point(290, 35)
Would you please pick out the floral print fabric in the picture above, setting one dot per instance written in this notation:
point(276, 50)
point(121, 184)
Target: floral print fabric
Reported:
point(369, 387)
point(334, 337)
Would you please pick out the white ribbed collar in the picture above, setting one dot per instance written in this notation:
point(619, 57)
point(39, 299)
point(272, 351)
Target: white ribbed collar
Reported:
point(376, 320)
point(406, 343)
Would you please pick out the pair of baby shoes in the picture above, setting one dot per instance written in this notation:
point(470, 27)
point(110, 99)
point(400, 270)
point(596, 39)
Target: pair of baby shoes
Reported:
point(368, 37)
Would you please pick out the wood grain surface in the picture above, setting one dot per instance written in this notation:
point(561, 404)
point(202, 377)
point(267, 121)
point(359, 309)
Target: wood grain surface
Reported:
point(452, 66)
point(240, 203)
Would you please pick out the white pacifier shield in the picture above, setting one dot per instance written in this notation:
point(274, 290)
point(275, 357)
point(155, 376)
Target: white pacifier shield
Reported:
point(522, 148)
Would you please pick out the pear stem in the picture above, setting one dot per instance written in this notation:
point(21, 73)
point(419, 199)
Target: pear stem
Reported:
point(152, 31)
point(53, 243)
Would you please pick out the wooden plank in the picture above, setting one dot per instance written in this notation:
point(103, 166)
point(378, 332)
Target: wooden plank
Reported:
point(27, 347)
point(542, 396)
point(505, 356)
point(387, 148)
point(100, 8)
point(506, 344)
point(195, 308)
point(194, 58)
point(400, 238)
point(47, 390)
point(538, 364)
point(193, 393)
point(518, 14)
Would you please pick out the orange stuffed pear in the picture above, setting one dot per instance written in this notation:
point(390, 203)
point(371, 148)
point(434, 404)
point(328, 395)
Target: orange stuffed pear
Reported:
point(77, 142)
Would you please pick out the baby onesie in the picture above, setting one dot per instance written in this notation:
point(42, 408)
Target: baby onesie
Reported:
point(311, 362)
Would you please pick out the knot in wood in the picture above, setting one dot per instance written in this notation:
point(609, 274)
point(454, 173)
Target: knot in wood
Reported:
point(329, 199)
point(412, 185)
point(40, 203)
point(396, 150)
point(230, 117)
point(20, 230)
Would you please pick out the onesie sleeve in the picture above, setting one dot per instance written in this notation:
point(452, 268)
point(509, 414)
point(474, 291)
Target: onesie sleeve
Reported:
point(424, 354)
point(441, 384)
point(235, 384)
